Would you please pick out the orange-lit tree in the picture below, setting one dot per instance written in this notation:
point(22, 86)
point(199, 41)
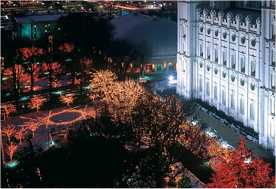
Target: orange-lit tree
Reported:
point(56, 83)
point(36, 102)
point(11, 150)
point(92, 97)
point(8, 131)
point(159, 119)
point(66, 47)
point(120, 97)
point(215, 150)
point(20, 134)
point(194, 140)
point(33, 126)
point(242, 170)
point(67, 99)
point(22, 77)
point(8, 109)
point(102, 83)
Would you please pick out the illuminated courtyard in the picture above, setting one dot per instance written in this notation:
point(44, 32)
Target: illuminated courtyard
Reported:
point(140, 94)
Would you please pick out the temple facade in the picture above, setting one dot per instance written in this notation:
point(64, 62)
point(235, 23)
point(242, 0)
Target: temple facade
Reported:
point(226, 57)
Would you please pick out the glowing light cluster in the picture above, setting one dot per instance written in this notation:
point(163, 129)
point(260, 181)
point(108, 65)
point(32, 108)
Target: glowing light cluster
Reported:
point(120, 96)
point(7, 110)
point(36, 102)
point(67, 99)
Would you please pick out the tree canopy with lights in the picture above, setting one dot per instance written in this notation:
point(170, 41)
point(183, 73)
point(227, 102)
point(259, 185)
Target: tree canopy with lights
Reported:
point(242, 170)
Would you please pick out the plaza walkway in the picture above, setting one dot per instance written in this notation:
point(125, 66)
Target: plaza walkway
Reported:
point(55, 121)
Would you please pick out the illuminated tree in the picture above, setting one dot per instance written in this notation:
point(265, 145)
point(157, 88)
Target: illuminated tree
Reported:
point(159, 119)
point(66, 47)
point(56, 83)
point(8, 109)
point(194, 140)
point(8, 131)
point(11, 150)
point(77, 81)
point(102, 83)
point(22, 77)
point(28, 53)
point(45, 67)
point(20, 134)
point(122, 100)
point(7, 72)
point(215, 150)
point(36, 102)
point(92, 97)
point(242, 170)
point(33, 126)
point(67, 99)
point(55, 67)
point(120, 96)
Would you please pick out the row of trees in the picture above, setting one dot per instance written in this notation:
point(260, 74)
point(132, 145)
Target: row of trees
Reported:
point(80, 41)
point(161, 121)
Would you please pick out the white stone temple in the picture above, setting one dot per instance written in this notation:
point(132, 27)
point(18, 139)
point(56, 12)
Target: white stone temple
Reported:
point(226, 57)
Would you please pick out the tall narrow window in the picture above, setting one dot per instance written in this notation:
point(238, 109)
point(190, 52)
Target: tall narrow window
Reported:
point(273, 82)
point(241, 105)
point(253, 68)
point(208, 53)
point(216, 55)
point(224, 58)
point(223, 98)
point(232, 102)
point(273, 58)
point(233, 61)
point(200, 84)
point(272, 106)
point(252, 111)
point(272, 128)
point(207, 88)
point(215, 92)
point(242, 62)
point(201, 50)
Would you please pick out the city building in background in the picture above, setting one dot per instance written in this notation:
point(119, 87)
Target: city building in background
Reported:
point(36, 26)
point(226, 57)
